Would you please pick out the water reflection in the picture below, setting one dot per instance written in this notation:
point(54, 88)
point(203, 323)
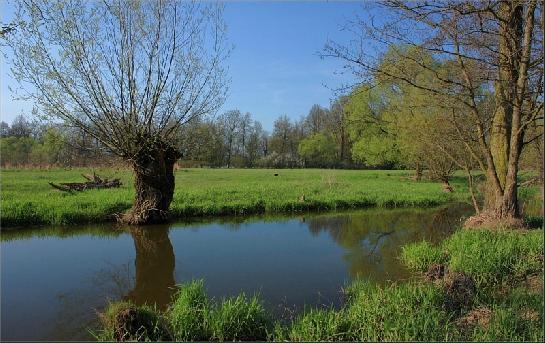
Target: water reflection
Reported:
point(291, 261)
point(372, 239)
point(154, 267)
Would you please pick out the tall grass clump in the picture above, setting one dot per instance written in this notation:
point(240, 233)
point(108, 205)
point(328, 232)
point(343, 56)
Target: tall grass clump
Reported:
point(322, 325)
point(489, 257)
point(240, 319)
point(421, 255)
point(492, 257)
point(398, 312)
point(123, 321)
point(189, 313)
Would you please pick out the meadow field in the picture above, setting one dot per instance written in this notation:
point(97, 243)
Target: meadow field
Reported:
point(28, 199)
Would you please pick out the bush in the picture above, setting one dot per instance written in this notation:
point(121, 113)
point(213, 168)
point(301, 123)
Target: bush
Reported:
point(240, 318)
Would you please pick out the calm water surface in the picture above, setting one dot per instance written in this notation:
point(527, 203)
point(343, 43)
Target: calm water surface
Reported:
point(55, 279)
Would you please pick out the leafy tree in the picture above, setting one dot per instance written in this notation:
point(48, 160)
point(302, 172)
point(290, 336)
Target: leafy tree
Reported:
point(493, 46)
point(317, 150)
point(129, 75)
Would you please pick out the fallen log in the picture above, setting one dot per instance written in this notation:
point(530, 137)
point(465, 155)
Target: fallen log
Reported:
point(94, 182)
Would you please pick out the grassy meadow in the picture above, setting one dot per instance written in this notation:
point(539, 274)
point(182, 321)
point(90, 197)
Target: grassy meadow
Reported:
point(28, 199)
point(503, 303)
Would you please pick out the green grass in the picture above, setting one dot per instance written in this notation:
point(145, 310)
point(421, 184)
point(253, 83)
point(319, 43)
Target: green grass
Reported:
point(411, 311)
point(27, 197)
point(189, 313)
point(491, 258)
point(240, 319)
point(151, 326)
point(398, 312)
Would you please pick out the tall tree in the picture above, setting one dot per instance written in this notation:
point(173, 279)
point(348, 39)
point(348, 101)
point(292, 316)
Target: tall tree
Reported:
point(129, 74)
point(490, 46)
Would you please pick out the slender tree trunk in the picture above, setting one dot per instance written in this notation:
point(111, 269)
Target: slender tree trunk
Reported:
point(154, 185)
point(418, 172)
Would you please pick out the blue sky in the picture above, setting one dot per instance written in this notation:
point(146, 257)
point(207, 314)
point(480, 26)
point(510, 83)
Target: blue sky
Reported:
point(274, 67)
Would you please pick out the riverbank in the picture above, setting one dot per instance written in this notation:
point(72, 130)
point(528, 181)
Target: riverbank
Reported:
point(475, 286)
point(28, 199)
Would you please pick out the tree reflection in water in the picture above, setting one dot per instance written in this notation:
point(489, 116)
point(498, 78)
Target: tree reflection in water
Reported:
point(372, 239)
point(154, 265)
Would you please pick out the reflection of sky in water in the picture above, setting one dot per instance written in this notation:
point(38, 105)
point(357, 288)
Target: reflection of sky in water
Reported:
point(53, 280)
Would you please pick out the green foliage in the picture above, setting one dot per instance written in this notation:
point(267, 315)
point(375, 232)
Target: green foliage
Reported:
point(189, 313)
point(366, 124)
point(27, 198)
point(317, 150)
point(24, 151)
point(240, 319)
point(420, 256)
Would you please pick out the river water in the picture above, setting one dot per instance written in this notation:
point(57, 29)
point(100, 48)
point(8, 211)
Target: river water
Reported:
point(55, 279)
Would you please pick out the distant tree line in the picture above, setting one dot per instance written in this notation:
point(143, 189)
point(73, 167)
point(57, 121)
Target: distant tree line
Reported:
point(230, 140)
point(37, 144)
point(234, 139)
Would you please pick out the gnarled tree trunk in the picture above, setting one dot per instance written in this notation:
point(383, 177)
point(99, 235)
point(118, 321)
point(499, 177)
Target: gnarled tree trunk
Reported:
point(154, 184)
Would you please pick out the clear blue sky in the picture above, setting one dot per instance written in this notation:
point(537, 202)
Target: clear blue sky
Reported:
point(274, 67)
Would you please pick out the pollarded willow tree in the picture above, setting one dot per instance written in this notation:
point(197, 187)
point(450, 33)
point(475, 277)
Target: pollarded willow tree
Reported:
point(488, 49)
point(128, 73)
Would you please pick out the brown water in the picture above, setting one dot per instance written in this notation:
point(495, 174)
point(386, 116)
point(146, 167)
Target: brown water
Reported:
point(55, 279)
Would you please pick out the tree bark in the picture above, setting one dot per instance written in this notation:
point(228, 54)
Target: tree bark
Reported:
point(154, 184)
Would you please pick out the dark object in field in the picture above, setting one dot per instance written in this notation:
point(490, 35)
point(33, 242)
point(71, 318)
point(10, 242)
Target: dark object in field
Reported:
point(275, 174)
point(435, 272)
point(94, 182)
point(130, 324)
point(459, 291)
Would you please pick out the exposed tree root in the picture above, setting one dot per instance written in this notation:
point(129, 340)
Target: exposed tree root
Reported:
point(143, 213)
point(490, 220)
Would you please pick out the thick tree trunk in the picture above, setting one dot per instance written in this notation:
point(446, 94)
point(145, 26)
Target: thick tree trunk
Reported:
point(154, 185)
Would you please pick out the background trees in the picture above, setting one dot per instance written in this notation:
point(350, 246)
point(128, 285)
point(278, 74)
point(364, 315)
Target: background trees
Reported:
point(470, 51)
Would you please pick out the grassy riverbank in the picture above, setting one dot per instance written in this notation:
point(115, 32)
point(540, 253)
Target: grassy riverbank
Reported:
point(497, 294)
point(27, 198)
